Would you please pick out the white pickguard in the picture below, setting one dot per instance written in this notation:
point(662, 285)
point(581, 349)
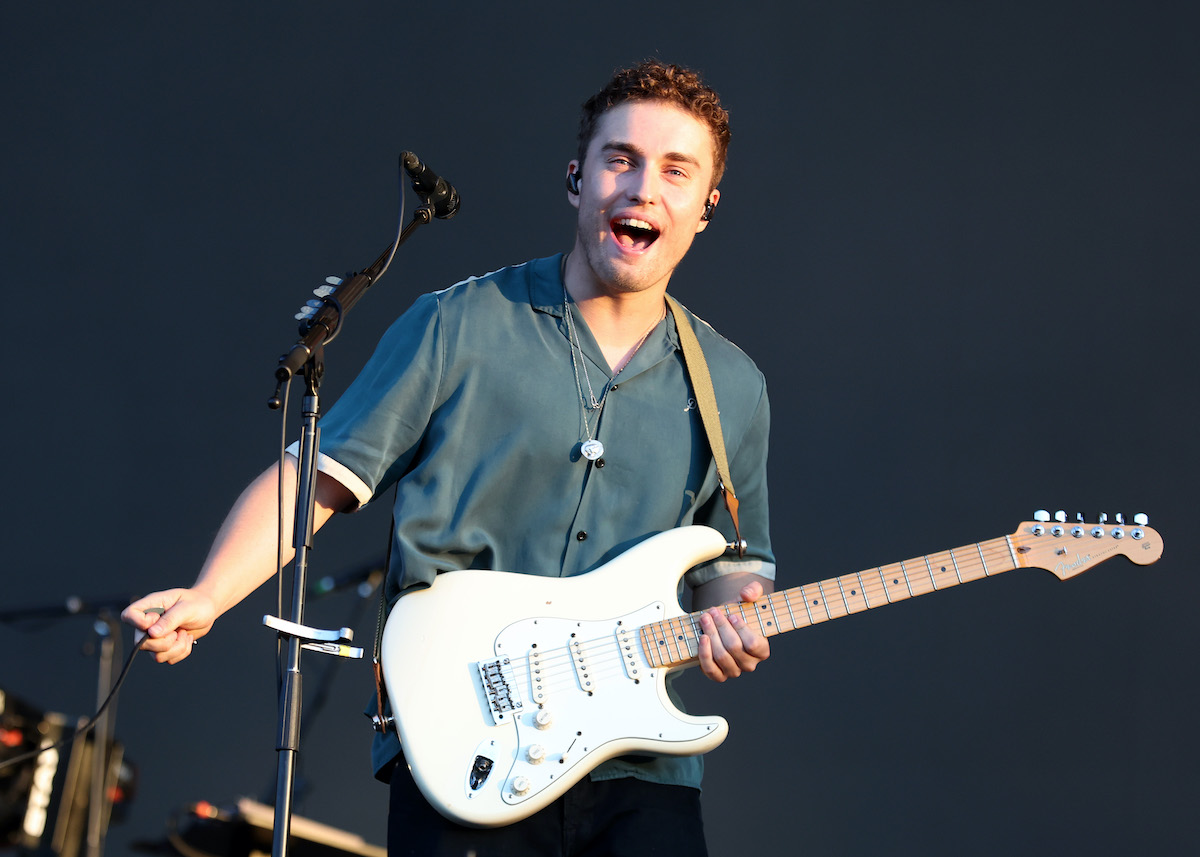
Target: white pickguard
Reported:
point(565, 648)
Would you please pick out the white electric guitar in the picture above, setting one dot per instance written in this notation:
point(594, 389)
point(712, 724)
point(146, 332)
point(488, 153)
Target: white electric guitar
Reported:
point(507, 689)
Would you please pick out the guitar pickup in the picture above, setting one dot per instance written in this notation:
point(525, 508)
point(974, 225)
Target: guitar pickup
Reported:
point(583, 672)
point(627, 642)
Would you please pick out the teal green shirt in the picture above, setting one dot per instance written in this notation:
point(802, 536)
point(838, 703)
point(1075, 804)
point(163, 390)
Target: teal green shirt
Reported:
point(470, 408)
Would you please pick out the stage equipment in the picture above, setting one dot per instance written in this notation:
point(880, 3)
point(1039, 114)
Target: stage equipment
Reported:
point(46, 804)
point(245, 830)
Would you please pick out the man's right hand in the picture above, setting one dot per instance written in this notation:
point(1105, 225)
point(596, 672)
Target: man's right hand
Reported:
point(173, 620)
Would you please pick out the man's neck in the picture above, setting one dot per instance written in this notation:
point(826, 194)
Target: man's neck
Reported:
point(618, 320)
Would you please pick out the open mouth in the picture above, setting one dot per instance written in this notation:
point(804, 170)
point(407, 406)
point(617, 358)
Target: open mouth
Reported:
point(633, 234)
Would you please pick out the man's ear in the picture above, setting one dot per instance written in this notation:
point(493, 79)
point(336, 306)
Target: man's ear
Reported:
point(709, 207)
point(573, 178)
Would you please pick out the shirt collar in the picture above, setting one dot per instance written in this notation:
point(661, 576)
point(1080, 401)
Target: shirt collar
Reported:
point(546, 292)
point(546, 285)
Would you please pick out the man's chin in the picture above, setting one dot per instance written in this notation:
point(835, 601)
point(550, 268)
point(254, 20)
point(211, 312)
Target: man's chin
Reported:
point(621, 272)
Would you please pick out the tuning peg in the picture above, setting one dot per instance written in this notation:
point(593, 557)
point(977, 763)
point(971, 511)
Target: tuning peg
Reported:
point(1120, 518)
point(1041, 515)
point(1103, 518)
point(1141, 520)
point(1060, 516)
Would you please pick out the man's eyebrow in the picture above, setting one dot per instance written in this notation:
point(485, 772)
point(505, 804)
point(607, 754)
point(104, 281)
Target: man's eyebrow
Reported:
point(631, 149)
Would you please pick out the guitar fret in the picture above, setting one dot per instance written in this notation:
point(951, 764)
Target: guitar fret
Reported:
point(955, 561)
point(651, 652)
point(681, 636)
point(982, 559)
point(694, 633)
point(672, 642)
point(811, 621)
point(741, 606)
point(856, 596)
point(691, 638)
point(826, 601)
point(1012, 552)
point(769, 604)
point(883, 580)
point(907, 582)
point(665, 642)
point(822, 602)
point(932, 578)
point(663, 637)
point(787, 602)
point(842, 591)
point(862, 587)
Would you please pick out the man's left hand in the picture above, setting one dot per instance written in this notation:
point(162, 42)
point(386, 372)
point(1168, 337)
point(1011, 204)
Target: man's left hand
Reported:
point(728, 646)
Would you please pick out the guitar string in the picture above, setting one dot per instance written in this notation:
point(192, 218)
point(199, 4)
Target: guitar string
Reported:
point(559, 669)
point(857, 591)
point(602, 652)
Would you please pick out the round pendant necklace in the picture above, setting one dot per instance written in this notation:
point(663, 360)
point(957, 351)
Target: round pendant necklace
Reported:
point(591, 448)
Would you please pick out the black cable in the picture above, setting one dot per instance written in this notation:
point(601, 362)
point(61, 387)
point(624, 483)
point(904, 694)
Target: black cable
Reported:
point(91, 724)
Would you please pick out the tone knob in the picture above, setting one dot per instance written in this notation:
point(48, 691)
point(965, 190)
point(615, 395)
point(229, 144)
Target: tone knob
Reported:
point(543, 719)
point(536, 754)
point(521, 785)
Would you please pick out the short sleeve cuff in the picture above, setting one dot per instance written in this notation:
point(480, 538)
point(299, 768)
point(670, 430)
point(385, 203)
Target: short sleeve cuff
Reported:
point(341, 473)
point(722, 567)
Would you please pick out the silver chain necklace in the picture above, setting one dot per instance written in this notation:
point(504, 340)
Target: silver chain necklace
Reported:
point(590, 448)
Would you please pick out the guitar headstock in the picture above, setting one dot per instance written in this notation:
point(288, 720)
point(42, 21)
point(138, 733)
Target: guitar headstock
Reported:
point(1067, 548)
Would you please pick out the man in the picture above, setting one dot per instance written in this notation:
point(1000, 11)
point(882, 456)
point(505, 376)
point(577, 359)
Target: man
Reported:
point(541, 419)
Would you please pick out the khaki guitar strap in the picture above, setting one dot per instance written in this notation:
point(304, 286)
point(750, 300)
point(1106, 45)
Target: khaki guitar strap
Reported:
point(706, 400)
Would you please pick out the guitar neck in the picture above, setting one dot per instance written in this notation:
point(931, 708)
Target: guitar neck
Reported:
point(674, 642)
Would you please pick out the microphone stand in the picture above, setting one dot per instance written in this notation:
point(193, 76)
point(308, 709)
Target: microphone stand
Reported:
point(307, 355)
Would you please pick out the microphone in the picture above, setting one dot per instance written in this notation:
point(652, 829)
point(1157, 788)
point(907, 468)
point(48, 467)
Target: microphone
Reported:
point(435, 190)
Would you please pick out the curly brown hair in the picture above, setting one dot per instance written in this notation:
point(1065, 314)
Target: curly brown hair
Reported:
point(653, 80)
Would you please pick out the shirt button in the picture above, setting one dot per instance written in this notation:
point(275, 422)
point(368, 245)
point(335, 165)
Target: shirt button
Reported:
point(581, 535)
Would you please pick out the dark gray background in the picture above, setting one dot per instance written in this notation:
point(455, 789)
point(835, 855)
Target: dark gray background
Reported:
point(959, 239)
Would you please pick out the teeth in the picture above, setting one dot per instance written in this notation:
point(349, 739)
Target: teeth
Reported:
point(635, 224)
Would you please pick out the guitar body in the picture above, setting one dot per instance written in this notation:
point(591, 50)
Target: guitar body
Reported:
point(509, 688)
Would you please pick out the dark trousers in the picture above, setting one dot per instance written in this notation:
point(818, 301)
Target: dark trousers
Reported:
point(613, 817)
